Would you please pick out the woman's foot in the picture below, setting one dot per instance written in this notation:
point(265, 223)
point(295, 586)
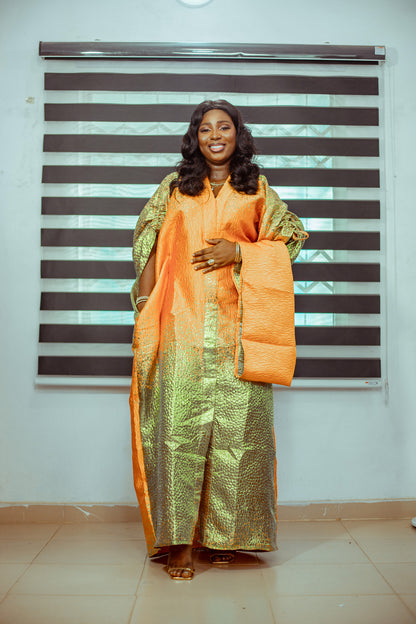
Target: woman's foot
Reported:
point(221, 557)
point(180, 566)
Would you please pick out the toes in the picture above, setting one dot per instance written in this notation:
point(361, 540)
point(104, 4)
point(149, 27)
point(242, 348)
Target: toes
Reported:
point(179, 573)
point(222, 557)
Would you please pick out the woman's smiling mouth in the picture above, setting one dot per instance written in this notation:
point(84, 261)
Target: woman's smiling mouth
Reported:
point(217, 147)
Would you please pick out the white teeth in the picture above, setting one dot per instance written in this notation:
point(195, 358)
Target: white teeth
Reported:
point(216, 148)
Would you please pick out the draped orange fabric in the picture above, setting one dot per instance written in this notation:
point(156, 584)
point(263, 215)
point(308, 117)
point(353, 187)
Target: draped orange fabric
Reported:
point(268, 330)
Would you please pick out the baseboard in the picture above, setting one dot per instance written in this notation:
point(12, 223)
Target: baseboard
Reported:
point(321, 510)
point(58, 514)
point(348, 510)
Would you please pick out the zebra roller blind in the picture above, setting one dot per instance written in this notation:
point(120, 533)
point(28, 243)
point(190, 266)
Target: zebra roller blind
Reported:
point(112, 132)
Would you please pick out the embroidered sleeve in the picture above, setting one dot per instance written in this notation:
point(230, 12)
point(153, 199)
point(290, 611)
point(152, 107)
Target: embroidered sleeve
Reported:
point(279, 223)
point(147, 228)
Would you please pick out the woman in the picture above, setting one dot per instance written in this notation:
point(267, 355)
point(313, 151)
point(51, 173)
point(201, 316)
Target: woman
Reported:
point(214, 327)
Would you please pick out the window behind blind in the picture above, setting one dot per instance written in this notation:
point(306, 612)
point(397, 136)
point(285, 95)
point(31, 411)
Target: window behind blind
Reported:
point(112, 132)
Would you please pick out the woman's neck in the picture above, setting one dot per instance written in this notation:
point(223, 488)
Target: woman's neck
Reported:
point(218, 174)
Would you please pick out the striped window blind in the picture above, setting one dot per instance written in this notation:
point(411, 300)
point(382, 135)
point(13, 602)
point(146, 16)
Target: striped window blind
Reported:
point(112, 132)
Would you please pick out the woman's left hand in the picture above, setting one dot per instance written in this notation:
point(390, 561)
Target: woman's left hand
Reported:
point(222, 252)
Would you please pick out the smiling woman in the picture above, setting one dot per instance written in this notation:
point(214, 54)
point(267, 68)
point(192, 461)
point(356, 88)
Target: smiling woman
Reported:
point(214, 328)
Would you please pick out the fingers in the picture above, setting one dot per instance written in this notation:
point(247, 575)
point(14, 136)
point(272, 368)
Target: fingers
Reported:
point(206, 265)
point(202, 254)
point(210, 265)
point(205, 257)
point(206, 253)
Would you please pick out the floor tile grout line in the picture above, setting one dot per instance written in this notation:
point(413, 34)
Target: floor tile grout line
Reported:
point(33, 563)
point(264, 584)
point(30, 563)
point(17, 580)
point(132, 609)
point(75, 563)
point(337, 595)
point(344, 595)
point(145, 564)
point(109, 539)
point(102, 538)
point(17, 539)
point(44, 595)
point(48, 542)
point(99, 596)
point(363, 549)
point(99, 539)
point(379, 571)
point(331, 563)
point(136, 597)
point(340, 595)
point(357, 542)
point(396, 592)
point(410, 611)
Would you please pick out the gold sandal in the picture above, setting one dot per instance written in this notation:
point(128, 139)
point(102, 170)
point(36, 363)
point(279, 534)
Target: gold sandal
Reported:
point(227, 556)
point(178, 576)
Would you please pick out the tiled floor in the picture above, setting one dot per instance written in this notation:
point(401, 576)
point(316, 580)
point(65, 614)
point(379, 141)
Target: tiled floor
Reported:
point(350, 572)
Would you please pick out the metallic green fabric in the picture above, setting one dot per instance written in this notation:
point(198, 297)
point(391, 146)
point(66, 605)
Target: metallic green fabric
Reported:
point(208, 445)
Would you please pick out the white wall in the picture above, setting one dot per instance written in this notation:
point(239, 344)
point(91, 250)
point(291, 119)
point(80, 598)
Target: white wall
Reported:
point(74, 445)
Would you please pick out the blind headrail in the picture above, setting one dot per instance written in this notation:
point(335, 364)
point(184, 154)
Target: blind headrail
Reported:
point(211, 51)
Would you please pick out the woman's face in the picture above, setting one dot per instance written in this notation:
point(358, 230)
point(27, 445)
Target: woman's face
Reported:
point(217, 137)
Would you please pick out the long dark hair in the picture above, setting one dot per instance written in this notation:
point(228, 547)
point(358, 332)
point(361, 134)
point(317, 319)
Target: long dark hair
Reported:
point(193, 169)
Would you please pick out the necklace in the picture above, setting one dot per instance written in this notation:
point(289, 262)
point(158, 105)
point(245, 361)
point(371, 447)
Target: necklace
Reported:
point(217, 183)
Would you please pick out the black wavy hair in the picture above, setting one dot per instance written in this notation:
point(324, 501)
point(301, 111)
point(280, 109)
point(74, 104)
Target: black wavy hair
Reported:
point(193, 168)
